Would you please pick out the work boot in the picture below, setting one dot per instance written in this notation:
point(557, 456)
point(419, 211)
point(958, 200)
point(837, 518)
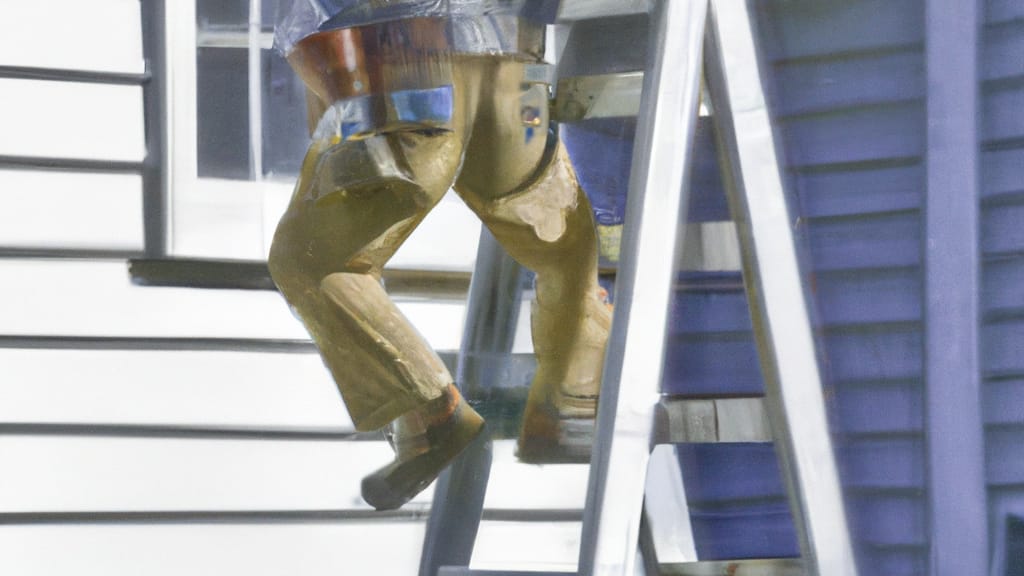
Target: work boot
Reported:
point(425, 440)
point(559, 421)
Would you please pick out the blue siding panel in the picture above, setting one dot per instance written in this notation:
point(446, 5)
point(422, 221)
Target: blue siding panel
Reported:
point(997, 11)
point(854, 298)
point(883, 462)
point(892, 131)
point(887, 408)
point(738, 506)
point(722, 365)
point(1001, 117)
point(710, 349)
point(1001, 171)
point(1004, 402)
point(1004, 462)
point(707, 200)
point(860, 191)
point(1002, 230)
point(602, 149)
point(887, 519)
point(747, 531)
point(602, 154)
point(895, 561)
point(817, 86)
point(879, 355)
point(859, 182)
point(1003, 287)
point(711, 311)
point(1002, 297)
point(720, 473)
point(823, 29)
point(1002, 350)
point(722, 360)
point(1003, 48)
point(865, 242)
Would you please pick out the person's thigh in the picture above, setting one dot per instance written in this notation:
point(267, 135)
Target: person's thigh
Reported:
point(510, 129)
point(356, 202)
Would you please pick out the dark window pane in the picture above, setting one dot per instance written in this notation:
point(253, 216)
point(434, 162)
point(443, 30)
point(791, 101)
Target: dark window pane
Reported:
point(268, 15)
point(222, 14)
point(285, 130)
point(223, 113)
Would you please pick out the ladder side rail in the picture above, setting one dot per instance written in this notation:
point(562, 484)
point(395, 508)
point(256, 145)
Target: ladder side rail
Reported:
point(492, 313)
point(775, 292)
point(633, 366)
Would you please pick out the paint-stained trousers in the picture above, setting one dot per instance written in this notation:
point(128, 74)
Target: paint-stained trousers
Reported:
point(358, 199)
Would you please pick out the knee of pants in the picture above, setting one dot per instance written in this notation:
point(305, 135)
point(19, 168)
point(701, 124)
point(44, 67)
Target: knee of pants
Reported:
point(429, 160)
point(548, 222)
point(361, 196)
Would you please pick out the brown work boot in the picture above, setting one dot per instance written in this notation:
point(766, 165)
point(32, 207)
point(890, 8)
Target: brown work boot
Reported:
point(558, 423)
point(425, 441)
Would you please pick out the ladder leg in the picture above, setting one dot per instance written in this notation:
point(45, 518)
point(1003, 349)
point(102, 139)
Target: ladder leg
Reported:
point(456, 510)
point(491, 318)
point(666, 511)
point(633, 366)
point(775, 292)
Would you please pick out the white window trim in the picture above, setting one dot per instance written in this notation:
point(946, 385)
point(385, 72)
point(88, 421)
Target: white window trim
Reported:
point(235, 219)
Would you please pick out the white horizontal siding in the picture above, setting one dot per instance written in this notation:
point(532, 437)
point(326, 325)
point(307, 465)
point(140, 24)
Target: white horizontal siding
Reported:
point(96, 298)
point(177, 387)
point(88, 474)
point(315, 549)
point(99, 35)
point(70, 120)
point(527, 546)
point(70, 210)
point(384, 549)
point(67, 474)
point(236, 219)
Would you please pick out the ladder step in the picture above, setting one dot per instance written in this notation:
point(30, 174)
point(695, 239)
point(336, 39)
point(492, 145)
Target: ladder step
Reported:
point(711, 420)
point(760, 567)
point(463, 571)
point(686, 420)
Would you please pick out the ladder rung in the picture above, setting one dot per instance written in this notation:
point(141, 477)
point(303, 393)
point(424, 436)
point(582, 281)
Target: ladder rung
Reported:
point(760, 567)
point(707, 420)
point(765, 567)
point(463, 571)
point(571, 10)
point(711, 420)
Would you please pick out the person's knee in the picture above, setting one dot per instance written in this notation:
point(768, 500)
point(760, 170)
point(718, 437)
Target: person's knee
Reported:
point(285, 263)
point(355, 202)
point(422, 163)
point(550, 211)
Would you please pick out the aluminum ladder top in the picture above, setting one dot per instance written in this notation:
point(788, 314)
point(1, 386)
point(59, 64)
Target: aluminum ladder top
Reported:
point(715, 37)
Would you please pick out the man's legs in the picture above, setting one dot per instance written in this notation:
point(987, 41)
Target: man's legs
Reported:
point(523, 187)
point(354, 204)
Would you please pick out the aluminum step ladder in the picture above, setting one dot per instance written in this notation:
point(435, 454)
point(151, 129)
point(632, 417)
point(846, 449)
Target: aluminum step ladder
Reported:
point(692, 41)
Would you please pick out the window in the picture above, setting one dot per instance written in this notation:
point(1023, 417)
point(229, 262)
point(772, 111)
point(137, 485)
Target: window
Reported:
point(240, 132)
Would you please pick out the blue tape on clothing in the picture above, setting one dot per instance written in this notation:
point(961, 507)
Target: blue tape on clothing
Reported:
point(428, 106)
